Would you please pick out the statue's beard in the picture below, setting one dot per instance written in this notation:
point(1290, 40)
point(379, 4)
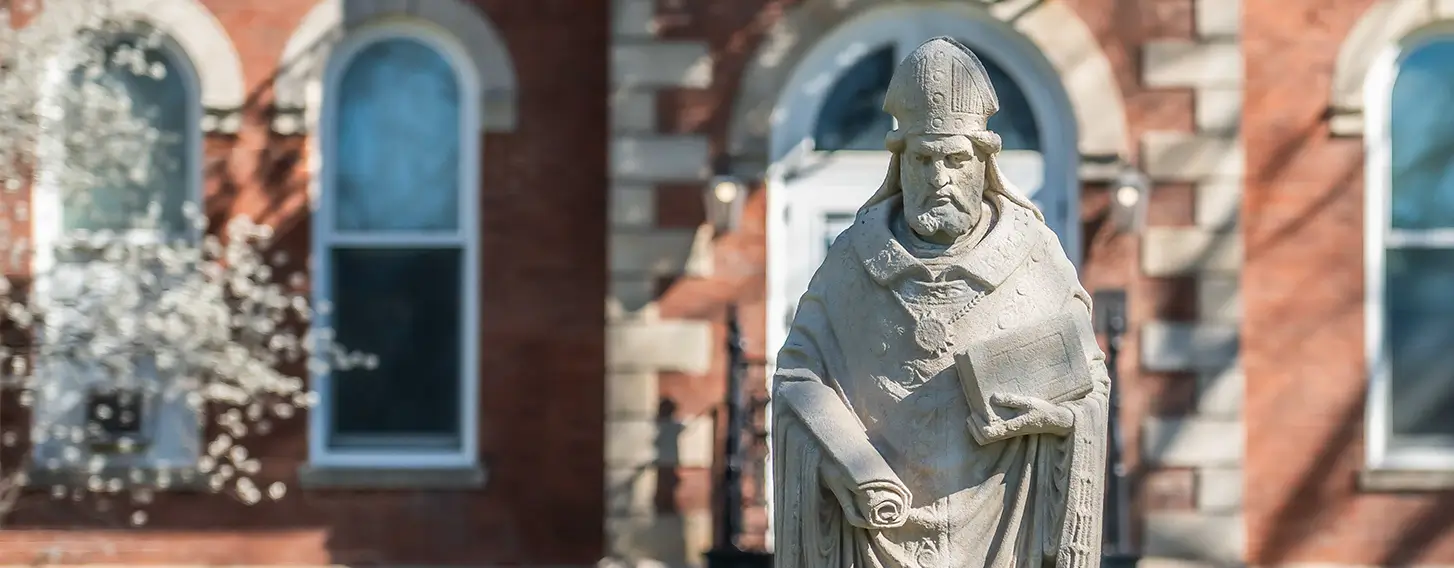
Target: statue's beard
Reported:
point(952, 220)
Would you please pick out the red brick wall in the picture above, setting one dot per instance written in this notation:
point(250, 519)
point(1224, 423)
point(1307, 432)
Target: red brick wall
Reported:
point(541, 396)
point(1303, 292)
point(734, 30)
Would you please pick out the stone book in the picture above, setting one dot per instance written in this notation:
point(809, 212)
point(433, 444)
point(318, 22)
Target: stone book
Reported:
point(1045, 360)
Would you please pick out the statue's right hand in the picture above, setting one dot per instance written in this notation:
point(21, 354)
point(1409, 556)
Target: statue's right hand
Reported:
point(882, 509)
point(867, 507)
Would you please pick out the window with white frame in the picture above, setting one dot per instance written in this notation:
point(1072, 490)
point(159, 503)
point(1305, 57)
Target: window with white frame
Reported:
point(1411, 258)
point(158, 82)
point(85, 194)
point(395, 255)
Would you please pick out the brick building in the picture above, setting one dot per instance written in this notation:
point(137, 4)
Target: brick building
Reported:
point(1278, 399)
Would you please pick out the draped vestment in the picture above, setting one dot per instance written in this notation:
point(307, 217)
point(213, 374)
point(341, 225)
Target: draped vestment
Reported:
point(1030, 500)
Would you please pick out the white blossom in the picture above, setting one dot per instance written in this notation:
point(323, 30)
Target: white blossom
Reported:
point(150, 311)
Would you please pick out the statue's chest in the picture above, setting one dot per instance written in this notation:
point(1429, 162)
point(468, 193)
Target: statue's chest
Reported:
point(907, 336)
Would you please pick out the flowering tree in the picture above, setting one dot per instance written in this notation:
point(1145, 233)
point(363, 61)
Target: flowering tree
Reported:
point(132, 324)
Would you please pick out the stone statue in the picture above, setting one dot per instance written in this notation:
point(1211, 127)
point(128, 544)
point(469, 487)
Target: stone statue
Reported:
point(940, 401)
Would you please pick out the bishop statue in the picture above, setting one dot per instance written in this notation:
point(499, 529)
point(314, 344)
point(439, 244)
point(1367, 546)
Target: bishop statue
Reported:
point(940, 401)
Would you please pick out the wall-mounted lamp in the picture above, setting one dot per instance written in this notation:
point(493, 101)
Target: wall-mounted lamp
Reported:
point(723, 200)
point(1130, 195)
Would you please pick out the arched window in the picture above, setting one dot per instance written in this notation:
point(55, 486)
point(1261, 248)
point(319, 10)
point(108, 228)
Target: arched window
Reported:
point(852, 120)
point(127, 137)
point(852, 117)
point(88, 182)
point(395, 249)
point(163, 100)
point(1411, 256)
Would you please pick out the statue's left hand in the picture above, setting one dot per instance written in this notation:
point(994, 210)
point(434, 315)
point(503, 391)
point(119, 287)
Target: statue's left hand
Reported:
point(1035, 416)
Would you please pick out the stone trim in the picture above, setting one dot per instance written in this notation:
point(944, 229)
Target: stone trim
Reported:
point(657, 539)
point(1218, 109)
point(1192, 442)
point(351, 478)
point(1202, 156)
point(1177, 251)
point(182, 479)
point(1218, 204)
point(660, 158)
point(1202, 64)
point(1220, 392)
point(1218, 19)
point(1211, 441)
point(1220, 490)
point(1216, 539)
point(1376, 35)
point(1100, 169)
point(1401, 480)
point(678, 345)
point(297, 89)
point(1174, 347)
point(1053, 27)
point(661, 64)
point(1219, 298)
point(639, 344)
point(206, 45)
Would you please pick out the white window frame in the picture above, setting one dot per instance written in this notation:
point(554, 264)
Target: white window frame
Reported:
point(169, 448)
point(1378, 236)
point(466, 237)
point(46, 207)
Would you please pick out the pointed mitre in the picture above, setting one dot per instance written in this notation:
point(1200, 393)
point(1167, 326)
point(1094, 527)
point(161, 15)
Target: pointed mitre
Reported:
point(941, 88)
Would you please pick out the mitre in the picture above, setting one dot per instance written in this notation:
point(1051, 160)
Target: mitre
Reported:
point(941, 88)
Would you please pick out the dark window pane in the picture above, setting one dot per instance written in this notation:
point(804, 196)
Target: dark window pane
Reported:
point(1014, 122)
point(1421, 130)
point(1420, 339)
point(163, 103)
point(852, 117)
point(402, 305)
point(398, 140)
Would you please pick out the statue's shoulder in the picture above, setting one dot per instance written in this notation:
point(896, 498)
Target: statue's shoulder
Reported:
point(1050, 266)
point(868, 236)
point(1046, 254)
point(842, 262)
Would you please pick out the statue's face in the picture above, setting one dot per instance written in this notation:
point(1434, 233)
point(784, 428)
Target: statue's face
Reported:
point(943, 181)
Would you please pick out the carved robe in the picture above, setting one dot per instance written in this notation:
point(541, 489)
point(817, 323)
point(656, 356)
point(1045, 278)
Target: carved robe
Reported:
point(1030, 500)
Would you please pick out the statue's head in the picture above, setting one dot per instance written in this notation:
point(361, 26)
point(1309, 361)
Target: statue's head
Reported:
point(942, 99)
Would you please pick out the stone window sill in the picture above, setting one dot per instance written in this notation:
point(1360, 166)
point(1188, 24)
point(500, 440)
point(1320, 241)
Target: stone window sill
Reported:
point(1405, 480)
point(180, 479)
point(315, 477)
